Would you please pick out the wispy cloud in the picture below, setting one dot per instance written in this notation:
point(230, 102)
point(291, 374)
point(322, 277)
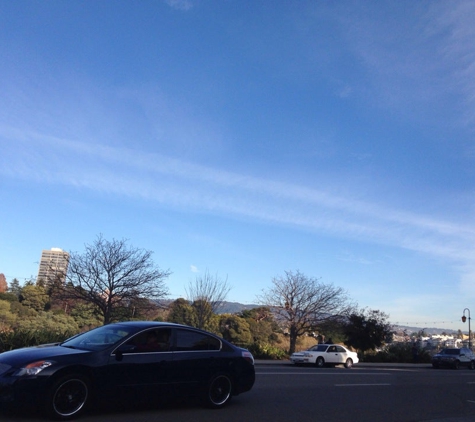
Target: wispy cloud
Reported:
point(426, 57)
point(186, 185)
point(180, 4)
point(455, 19)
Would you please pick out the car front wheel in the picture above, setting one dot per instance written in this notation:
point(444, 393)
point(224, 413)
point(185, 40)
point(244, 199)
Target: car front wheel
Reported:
point(68, 397)
point(219, 391)
point(319, 362)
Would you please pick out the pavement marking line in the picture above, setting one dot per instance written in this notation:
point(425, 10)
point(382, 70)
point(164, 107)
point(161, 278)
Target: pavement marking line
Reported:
point(359, 385)
point(471, 401)
point(323, 373)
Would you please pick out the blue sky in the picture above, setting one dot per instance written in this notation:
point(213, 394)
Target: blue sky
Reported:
point(248, 138)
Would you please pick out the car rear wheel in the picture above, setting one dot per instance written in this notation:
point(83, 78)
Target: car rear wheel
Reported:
point(68, 397)
point(319, 362)
point(471, 365)
point(219, 391)
point(348, 363)
point(456, 364)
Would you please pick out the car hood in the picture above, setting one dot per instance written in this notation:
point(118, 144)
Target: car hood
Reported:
point(19, 357)
point(299, 353)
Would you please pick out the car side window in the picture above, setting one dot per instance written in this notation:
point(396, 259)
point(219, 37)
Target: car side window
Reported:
point(187, 340)
point(340, 349)
point(331, 349)
point(157, 340)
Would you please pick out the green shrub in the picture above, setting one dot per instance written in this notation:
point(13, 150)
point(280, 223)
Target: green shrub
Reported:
point(397, 353)
point(10, 340)
point(266, 351)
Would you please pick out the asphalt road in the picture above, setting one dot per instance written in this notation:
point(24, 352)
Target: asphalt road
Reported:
point(286, 393)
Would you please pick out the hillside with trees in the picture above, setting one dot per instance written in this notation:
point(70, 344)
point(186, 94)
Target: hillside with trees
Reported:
point(114, 281)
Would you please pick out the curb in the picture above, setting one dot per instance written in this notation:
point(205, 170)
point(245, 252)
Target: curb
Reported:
point(261, 362)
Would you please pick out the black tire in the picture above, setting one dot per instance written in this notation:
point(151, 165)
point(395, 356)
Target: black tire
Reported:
point(471, 366)
point(435, 366)
point(68, 397)
point(219, 391)
point(456, 364)
point(320, 362)
point(349, 363)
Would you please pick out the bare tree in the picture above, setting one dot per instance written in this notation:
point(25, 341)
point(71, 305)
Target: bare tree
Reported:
point(206, 294)
point(111, 274)
point(302, 303)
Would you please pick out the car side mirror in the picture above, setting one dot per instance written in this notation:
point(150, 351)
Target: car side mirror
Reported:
point(123, 348)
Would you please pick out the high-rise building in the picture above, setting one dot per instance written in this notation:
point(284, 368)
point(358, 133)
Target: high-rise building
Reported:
point(53, 266)
point(3, 283)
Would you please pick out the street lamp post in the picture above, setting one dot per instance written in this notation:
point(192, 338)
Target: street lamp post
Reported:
point(464, 318)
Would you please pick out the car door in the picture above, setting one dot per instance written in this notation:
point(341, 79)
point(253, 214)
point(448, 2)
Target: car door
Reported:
point(342, 354)
point(142, 365)
point(332, 355)
point(196, 356)
point(465, 356)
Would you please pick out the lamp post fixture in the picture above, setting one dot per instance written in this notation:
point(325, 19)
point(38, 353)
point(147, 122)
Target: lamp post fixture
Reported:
point(464, 318)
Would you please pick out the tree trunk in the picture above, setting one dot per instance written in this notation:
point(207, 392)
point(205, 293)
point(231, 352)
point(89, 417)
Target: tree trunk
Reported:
point(293, 339)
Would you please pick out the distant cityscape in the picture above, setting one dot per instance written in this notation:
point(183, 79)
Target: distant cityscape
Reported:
point(54, 263)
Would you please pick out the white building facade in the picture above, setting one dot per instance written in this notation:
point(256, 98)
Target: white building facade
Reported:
point(53, 266)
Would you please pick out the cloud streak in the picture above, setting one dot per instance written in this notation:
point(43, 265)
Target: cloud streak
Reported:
point(189, 186)
point(427, 57)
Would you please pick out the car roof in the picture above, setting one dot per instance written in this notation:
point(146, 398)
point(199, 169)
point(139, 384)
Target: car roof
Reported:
point(146, 323)
point(151, 324)
point(329, 344)
point(140, 325)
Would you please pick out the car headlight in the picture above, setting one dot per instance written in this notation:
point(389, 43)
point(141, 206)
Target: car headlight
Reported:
point(33, 368)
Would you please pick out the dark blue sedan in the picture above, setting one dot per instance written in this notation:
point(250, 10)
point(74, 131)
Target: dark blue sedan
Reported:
point(131, 360)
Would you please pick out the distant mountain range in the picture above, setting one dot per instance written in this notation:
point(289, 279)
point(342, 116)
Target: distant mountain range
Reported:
point(428, 331)
point(236, 307)
point(225, 307)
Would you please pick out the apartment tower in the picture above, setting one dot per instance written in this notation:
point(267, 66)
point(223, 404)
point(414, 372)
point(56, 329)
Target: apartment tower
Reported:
point(53, 266)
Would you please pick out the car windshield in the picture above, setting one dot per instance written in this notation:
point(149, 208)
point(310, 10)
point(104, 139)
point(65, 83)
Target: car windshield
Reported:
point(450, 352)
point(99, 338)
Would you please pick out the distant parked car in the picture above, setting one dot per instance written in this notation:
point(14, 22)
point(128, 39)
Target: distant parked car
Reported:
point(325, 354)
point(454, 358)
point(125, 361)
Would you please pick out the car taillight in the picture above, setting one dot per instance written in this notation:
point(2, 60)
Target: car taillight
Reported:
point(248, 356)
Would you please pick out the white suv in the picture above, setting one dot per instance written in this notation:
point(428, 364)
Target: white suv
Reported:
point(454, 358)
